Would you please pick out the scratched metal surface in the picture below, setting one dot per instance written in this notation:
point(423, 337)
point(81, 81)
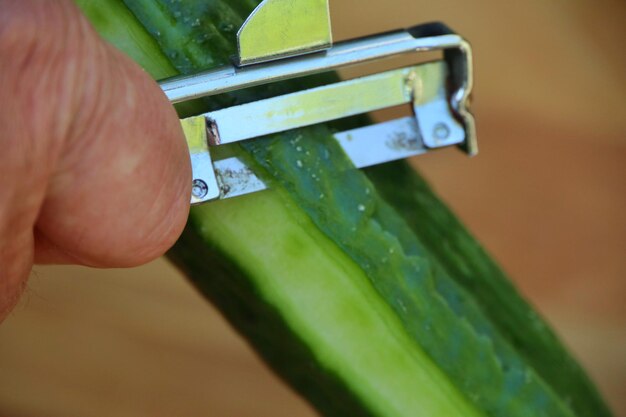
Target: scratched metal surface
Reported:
point(546, 196)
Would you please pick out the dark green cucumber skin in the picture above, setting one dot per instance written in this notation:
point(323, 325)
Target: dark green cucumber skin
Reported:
point(465, 260)
point(230, 292)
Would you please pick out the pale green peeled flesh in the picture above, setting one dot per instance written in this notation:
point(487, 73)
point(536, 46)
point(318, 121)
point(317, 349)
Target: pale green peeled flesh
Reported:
point(350, 330)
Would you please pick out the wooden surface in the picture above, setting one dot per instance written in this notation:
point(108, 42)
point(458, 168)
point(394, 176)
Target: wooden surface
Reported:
point(546, 196)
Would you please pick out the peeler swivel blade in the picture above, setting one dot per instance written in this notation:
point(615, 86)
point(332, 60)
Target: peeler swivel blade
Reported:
point(437, 94)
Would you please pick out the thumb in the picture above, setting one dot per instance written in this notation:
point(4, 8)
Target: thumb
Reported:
point(96, 170)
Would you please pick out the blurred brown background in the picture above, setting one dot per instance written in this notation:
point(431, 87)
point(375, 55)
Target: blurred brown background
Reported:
point(546, 196)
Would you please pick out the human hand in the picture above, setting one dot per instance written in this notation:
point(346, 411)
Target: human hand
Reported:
point(94, 169)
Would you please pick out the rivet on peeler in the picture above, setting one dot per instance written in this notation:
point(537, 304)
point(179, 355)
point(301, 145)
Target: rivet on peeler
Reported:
point(199, 189)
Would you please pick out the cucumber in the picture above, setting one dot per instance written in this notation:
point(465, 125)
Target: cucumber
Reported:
point(368, 301)
point(465, 260)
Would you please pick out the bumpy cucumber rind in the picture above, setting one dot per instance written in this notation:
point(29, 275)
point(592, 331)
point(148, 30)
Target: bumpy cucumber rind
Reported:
point(465, 260)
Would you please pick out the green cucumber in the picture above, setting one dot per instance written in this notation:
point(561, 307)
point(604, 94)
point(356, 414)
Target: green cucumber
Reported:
point(465, 260)
point(341, 287)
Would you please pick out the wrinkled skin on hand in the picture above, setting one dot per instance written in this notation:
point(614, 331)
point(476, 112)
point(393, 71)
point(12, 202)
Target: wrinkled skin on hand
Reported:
point(93, 165)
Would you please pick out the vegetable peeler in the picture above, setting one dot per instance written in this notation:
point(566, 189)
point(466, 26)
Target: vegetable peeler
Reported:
point(286, 39)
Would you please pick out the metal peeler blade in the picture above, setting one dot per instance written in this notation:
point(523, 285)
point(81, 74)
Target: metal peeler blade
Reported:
point(437, 92)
